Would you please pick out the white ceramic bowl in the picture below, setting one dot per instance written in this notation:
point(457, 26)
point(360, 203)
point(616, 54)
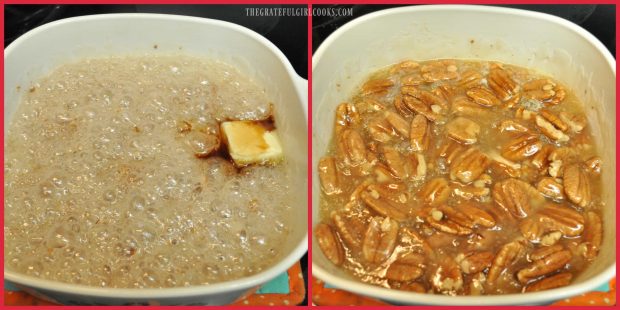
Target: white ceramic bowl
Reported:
point(40, 50)
point(534, 40)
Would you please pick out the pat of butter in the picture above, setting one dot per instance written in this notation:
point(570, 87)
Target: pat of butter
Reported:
point(250, 142)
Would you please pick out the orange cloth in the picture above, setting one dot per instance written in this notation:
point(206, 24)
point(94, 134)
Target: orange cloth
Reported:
point(323, 296)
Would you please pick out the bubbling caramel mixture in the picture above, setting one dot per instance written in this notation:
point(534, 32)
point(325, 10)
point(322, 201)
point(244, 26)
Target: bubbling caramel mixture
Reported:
point(461, 178)
point(111, 178)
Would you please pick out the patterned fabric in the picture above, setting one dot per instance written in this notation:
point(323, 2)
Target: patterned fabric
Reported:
point(286, 289)
point(323, 295)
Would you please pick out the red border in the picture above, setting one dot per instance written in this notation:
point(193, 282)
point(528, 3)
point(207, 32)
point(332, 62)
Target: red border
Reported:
point(309, 40)
point(308, 285)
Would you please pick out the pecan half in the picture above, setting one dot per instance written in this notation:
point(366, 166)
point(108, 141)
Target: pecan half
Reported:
point(522, 146)
point(447, 277)
point(476, 215)
point(450, 150)
point(400, 125)
point(469, 192)
point(562, 218)
point(483, 96)
point(439, 70)
point(475, 262)
point(382, 205)
point(593, 165)
point(592, 235)
point(376, 87)
point(544, 265)
point(553, 217)
point(551, 188)
point(544, 90)
point(540, 159)
point(434, 192)
point(350, 229)
point(516, 196)
point(512, 125)
point(404, 67)
point(353, 147)
point(383, 174)
point(462, 106)
point(400, 106)
point(525, 114)
point(576, 122)
point(395, 162)
point(419, 136)
point(403, 272)
point(577, 185)
point(463, 130)
point(444, 91)
point(412, 79)
point(424, 102)
point(449, 220)
point(469, 165)
point(380, 130)
point(555, 281)
point(502, 83)
point(380, 240)
point(328, 174)
point(507, 255)
point(407, 267)
point(469, 79)
point(329, 243)
point(346, 115)
point(550, 130)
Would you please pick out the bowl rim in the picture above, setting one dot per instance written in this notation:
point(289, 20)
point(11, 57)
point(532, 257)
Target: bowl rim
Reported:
point(245, 283)
point(430, 299)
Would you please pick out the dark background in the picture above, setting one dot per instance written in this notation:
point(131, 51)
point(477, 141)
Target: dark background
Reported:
point(288, 33)
point(600, 20)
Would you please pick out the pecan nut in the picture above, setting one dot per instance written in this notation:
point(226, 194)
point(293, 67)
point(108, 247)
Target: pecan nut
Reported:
point(328, 174)
point(521, 147)
point(469, 79)
point(552, 126)
point(502, 83)
point(592, 235)
point(353, 147)
point(350, 229)
point(544, 265)
point(380, 240)
point(447, 277)
point(462, 106)
point(463, 130)
point(472, 263)
point(577, 185)
point(555, 281)
point(544, 90)
point(403, 272)
point(419, 136)
point(509, 254)
point(346, 115)
point(516, 196)
point(435, 192)
point(576, 122)
point(424, 102)
point(483, 96)
point(439, 70)
point(551, 188)
point(469, 165)
point(400, 125)
point(383, 205)
point(329, 243)
point(377, 87)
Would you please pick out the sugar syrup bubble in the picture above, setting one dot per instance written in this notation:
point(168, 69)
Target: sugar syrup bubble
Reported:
point(196, 212)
